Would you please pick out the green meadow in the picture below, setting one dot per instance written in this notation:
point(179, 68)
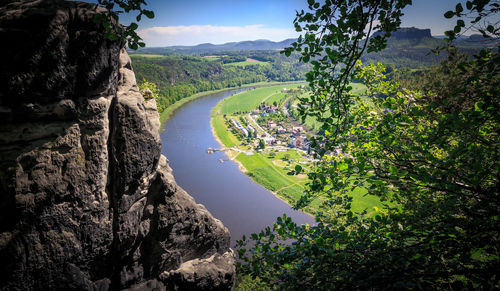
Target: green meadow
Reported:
point(148, 55)
point(250, 100)
point(246, 63)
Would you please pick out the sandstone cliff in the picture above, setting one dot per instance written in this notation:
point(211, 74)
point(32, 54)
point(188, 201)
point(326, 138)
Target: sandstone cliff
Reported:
point(409, 33)
point(86, 200)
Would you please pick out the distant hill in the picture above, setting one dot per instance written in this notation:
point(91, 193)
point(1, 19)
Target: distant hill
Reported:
point(249, 45)
point(408, 47)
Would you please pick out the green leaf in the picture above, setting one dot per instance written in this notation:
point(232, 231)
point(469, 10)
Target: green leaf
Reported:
point(449, 14)
point(393, 170)
point(343, 166)
point(478, 106)
point(133, 26)
point(149, 14)
point(459, 8)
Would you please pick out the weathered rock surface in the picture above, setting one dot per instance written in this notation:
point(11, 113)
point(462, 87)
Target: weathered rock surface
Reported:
point(87, 202)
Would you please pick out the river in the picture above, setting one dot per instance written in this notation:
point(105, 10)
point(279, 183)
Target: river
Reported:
point(243, 206)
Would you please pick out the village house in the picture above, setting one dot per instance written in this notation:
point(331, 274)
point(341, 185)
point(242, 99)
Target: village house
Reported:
point(306, 145)
point(269, 140)
point(299, 141)
point(297, 129)
point(280, 129)
point(238, 125)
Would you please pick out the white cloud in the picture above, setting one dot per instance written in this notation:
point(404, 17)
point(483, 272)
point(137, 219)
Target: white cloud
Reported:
point(195, 34)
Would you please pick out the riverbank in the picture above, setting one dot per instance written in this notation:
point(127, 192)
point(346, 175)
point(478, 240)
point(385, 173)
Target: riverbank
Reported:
point(232, 155)
point(270, 167)
point(170, 110)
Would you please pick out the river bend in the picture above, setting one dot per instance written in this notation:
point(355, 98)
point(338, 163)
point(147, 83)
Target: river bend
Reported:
point(243, 206)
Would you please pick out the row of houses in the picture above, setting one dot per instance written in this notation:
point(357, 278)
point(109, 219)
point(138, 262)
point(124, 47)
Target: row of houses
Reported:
point(240, 127)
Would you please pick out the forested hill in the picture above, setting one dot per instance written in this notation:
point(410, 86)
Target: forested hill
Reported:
point(261, 44)
point(178, 77)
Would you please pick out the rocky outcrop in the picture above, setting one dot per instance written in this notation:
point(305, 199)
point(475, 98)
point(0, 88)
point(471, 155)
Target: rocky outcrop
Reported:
point(409, 33)
point(87, 201)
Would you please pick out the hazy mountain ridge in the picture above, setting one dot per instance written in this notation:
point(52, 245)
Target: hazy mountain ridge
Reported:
point(405, 37)
point(261, 44)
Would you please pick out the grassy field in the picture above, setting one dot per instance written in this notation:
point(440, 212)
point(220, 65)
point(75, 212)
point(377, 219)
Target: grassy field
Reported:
point(276, 98)
point(225, 136)
point(262, 170)
point(211, 58)
point(247, 101)
point(147, 56)
point(274, 177)
point(246, 63)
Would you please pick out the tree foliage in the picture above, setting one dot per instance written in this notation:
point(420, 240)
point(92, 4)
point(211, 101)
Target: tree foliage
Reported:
point(430, 149)
point(482, 19)
point(149, 90)
point(127, 34)
point(262, 144)
point(335, 36)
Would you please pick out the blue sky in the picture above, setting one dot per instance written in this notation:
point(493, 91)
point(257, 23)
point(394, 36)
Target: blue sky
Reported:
point(191, 22)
